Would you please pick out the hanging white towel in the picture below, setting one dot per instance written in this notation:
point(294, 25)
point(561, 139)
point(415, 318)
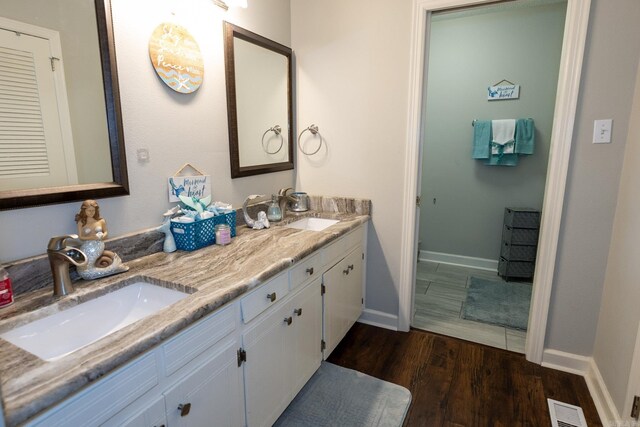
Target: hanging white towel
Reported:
point(503, 132)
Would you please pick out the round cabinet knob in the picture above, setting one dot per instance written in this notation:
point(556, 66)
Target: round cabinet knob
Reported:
point(288, 320)
point(298, 311)
point(184, 409)
point(271, 297)
point(310, 271)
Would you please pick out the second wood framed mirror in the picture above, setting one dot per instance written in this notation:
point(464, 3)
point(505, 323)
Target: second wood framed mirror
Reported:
point(259, 102)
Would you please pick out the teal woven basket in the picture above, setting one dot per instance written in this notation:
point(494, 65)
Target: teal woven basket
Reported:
point(196, 235)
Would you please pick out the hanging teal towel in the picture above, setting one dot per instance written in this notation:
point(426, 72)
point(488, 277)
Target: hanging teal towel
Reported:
point(525, 136)
point(481, 139)
point(503, 160)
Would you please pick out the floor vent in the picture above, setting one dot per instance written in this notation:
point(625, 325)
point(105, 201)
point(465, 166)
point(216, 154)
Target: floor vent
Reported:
point(565, 415)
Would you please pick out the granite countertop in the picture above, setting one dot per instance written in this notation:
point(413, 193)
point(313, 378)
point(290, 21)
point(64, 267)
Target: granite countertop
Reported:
point(215, 274)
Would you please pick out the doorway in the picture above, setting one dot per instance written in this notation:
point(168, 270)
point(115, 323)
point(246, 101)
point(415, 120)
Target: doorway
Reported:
point(564, 116)
point(516, 46)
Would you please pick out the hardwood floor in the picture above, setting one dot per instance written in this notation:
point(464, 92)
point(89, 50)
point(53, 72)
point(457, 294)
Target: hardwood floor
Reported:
point(440, 294)
point(458, 383)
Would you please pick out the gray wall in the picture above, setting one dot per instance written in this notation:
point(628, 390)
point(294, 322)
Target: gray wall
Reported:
point(467, 53)
point(352, 63)
point(619, 314)
point(606, 91)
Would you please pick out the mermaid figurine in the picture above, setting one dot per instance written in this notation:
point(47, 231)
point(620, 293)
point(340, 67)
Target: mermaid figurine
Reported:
point(92, 230)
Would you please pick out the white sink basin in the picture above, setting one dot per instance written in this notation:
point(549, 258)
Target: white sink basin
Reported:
point(313, 224)
point(60, 334)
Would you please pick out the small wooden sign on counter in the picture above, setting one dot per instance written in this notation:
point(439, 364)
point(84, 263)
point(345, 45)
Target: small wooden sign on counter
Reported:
point(176, 57)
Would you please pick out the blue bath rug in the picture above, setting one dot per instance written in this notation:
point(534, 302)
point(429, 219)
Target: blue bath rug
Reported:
point(337, 396)
point(498, 303)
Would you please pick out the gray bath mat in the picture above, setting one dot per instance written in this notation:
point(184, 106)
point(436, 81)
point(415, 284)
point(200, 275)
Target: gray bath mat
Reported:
point(498, 303)
point(337, 396)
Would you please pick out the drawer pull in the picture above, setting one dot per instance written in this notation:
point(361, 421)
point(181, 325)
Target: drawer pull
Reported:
point(271, 297)
point(345, 271)
point(288, 320)
point(298, 311)
point(350, 267)
point(310, 270)
point(184, 409)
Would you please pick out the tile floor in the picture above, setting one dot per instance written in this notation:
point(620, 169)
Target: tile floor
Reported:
point(440, 292)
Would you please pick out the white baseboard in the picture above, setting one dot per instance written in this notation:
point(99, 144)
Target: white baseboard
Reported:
point(379, 319)
point(601, 398)
point(566, 362)
point(464, 261)
point(587, 368)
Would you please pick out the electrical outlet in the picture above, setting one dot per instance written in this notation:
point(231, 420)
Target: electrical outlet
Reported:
point(602, 131)
point(143, 155)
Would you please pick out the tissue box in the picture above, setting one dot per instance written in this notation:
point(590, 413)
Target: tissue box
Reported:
point(196, 235)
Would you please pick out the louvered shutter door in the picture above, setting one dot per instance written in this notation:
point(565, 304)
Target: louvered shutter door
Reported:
point(23, 150)
point(33, 153)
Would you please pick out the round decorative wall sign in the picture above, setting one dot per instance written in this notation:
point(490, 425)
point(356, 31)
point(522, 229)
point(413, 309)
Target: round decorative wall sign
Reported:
point(176, 57)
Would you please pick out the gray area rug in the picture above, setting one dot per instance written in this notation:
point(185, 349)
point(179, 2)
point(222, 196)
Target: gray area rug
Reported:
point(341, 397)
point(498, 303)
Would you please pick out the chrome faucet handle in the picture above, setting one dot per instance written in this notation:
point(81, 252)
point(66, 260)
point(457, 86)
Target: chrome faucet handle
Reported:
point(58, 243)
point(283, 191)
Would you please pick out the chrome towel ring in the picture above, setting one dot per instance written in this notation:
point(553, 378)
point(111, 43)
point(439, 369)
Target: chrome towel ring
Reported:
point(314, 131)
point(278, 131)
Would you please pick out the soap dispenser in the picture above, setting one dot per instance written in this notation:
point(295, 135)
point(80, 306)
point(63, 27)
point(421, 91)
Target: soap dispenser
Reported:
point(274, 213)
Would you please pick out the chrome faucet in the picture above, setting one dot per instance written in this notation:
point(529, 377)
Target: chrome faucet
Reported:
point(284, 199)
point(60, 258)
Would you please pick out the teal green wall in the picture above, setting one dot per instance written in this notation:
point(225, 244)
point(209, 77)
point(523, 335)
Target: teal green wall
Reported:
point(467, 53)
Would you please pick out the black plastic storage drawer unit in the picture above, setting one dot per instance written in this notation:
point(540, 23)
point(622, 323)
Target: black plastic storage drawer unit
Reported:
point(519, 243)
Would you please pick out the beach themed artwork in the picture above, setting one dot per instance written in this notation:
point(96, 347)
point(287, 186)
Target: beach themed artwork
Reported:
point(190, 186)
point(176, 57)
point(501, 92)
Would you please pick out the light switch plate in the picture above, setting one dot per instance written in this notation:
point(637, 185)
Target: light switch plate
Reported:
point(602, 131)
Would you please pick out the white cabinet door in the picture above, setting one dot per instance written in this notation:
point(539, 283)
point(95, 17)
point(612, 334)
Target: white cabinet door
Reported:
point(267, 370)
point(307, 330)
point(342, 299)
point(353, 300)
point(210, 396)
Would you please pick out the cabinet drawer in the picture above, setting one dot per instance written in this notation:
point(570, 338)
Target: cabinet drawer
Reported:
point(522, 217)
point(264, 297)
point(101, 401)
point(151, 415)
point(518, 252)
point(522, 269)
point(305, 270)
point(520, 236)
point(182, 349)
point(336, 250)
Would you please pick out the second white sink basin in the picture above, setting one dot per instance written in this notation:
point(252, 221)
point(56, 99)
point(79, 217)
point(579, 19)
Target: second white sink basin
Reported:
point(313, 224)
point(62, 333)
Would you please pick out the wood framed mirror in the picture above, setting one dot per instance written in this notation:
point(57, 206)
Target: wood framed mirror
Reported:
point(80, 54)
point(259, 74)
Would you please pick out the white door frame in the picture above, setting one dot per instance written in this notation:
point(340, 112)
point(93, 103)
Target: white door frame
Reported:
point(575, 32)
